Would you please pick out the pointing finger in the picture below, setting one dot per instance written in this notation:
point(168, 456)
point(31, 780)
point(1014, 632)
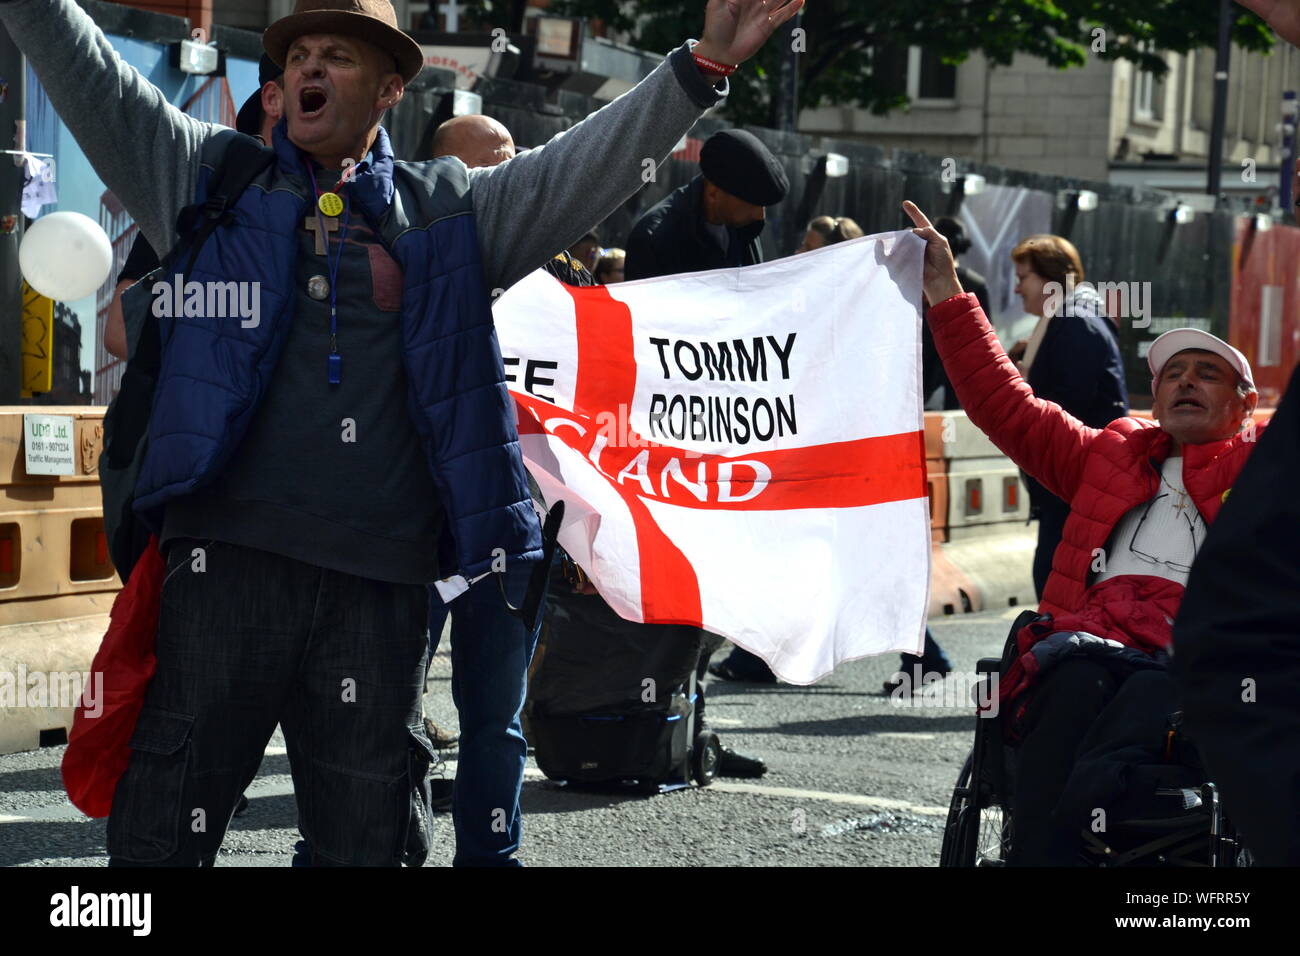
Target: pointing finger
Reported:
point(914, 213)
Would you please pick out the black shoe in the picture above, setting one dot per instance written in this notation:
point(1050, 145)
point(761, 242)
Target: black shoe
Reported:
point(732, 764)
point(724, 670)
point(901, 683)
point(242, 806)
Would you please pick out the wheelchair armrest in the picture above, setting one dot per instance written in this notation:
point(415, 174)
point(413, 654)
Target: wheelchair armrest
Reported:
point(988, 665)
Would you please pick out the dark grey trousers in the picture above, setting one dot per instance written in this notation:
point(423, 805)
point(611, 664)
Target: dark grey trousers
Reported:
point(246, 640)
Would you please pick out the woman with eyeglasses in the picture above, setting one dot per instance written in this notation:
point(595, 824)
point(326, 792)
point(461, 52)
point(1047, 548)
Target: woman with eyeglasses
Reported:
point(1071, 358)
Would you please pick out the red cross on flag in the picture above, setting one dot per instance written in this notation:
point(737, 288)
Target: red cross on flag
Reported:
point(741, 449)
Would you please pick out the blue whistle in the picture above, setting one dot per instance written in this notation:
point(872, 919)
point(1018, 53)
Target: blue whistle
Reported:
point(335, 368)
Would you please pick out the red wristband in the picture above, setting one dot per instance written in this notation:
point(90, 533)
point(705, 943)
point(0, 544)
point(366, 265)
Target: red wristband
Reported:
point(713, 66)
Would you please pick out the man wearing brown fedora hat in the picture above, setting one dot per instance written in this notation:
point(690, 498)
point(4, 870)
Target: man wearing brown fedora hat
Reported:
point(307, 473)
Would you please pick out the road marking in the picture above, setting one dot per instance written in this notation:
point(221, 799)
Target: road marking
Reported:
point(792, 793)
point(50, 814)
point(854, 799)
point(282, 785)
point(277, 786)
point(906, 735)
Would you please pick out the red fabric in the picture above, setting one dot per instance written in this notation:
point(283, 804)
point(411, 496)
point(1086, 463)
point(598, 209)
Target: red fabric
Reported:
point(99, 746)
point(1135, 610)
point(1102, 473)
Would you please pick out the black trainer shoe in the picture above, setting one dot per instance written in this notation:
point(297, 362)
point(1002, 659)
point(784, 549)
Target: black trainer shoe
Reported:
point(732, 764)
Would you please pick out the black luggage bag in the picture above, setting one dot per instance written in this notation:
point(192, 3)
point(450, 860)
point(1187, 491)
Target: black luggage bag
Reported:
point(612, 701)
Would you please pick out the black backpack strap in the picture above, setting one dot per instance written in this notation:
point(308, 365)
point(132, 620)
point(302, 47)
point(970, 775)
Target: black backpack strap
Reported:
point(244, 159)
point(126, 422)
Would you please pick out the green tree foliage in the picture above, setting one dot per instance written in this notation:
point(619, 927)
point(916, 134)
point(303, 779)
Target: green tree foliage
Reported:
point(844, 38)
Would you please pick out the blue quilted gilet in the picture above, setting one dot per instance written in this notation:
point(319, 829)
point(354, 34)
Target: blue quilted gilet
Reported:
point(214, 372)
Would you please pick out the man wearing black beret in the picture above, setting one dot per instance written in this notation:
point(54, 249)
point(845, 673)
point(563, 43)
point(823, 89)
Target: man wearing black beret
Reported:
point(714, 221)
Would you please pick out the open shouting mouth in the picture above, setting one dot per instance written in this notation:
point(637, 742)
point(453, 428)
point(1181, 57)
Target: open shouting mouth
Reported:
point(311, 101)
point(1187, 401)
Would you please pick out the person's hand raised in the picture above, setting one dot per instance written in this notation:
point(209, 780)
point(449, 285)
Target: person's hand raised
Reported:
point(940, 276)
point(734, 30)
point(1282, 15)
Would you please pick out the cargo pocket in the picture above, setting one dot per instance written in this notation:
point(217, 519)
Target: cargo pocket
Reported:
point(145, 824)
point(419, 829)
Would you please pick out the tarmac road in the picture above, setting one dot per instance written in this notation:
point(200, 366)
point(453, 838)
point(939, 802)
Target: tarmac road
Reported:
point(855, 779)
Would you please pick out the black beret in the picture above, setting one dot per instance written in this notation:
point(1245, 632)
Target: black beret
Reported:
point(738, 163)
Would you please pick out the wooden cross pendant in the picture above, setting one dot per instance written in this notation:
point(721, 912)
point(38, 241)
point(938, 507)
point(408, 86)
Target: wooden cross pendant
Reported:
point(321, 230)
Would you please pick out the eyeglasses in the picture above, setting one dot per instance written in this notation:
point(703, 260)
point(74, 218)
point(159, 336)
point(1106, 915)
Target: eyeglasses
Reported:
point(1191, 527)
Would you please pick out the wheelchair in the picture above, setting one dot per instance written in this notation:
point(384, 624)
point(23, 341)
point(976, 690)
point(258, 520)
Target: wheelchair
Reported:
point(1177, 825)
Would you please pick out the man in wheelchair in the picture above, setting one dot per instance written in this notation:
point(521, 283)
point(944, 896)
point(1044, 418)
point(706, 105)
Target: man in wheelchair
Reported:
point(1141, 496)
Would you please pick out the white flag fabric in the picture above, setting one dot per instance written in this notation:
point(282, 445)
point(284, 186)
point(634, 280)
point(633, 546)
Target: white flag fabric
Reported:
point(740, 449)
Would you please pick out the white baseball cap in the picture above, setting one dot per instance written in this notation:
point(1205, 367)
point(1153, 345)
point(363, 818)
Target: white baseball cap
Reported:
point(1174, 341)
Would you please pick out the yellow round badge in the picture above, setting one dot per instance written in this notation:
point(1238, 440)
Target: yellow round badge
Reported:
point(330, 204)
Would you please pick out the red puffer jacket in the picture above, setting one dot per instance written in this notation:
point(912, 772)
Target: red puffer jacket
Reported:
point(1102, 473)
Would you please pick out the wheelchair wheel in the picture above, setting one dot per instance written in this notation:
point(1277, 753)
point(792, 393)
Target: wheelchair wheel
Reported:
point(978, 831)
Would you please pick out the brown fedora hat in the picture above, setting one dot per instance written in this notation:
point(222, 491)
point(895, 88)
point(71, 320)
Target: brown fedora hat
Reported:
point(371, 20)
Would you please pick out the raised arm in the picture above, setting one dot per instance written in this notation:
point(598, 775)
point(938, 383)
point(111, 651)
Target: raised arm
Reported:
point(143, 148)
point(1041, 437)
point(542, 201)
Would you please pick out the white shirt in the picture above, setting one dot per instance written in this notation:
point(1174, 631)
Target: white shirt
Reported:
point(1159, 537)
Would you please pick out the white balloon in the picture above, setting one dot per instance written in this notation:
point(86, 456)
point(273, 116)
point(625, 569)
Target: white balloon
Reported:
point(65, 256)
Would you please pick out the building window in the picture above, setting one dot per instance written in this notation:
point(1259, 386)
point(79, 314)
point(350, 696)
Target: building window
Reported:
point(1148, 93)
point(929, 78)
point(918, 73)
point(1202, 84)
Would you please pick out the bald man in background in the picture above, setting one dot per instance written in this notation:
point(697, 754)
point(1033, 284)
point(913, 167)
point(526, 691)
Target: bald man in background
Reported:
point(478, 140)
point(475, 140)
